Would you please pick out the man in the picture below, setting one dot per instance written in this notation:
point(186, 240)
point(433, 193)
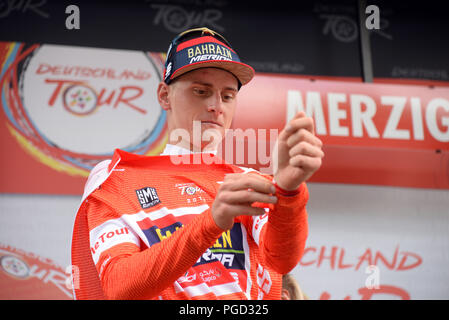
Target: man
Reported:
point(154, 228)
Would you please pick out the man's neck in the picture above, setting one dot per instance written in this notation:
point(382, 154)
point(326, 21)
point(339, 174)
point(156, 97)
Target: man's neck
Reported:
point(179, 148)
point(194, 148)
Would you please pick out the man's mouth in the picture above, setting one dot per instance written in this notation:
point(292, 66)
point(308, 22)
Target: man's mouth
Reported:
point(211, 122)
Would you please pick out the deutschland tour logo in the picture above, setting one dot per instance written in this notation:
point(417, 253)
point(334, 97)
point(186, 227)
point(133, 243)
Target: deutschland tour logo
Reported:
point(71, 107)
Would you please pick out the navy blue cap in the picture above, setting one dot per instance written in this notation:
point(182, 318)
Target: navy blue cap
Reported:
point(203, 48)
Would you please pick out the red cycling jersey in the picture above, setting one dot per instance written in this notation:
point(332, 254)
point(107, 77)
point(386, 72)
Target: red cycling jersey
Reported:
point(144, 230)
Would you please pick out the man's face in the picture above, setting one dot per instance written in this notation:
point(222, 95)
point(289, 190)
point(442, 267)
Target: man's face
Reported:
point(207, 96)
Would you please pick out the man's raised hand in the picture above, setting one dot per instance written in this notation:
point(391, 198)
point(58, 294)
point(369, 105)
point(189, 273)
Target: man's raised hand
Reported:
point(298, 153)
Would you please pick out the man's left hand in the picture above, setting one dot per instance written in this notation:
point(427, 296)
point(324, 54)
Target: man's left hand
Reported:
point(299, 153)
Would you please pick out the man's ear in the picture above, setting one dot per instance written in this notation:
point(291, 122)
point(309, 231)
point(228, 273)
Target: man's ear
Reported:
point(162, 95)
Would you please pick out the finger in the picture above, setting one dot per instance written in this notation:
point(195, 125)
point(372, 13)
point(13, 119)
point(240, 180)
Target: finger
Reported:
point(249, 181)
point(245, 210)
point(232, 176)
point(294, 125)
point(303, 135)
point(306, 163)
point(299, 114)
point(306, 149)
point(246, 197)
point(300, 123)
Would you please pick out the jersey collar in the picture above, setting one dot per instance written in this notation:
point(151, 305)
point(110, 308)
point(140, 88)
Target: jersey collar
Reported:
point(171, 149)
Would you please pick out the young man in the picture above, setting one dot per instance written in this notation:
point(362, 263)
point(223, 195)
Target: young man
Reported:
point(150, 228)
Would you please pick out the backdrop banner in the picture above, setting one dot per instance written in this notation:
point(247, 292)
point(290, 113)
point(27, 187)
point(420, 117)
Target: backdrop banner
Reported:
point(369, 242)
point(66, 108)
point(365, 242)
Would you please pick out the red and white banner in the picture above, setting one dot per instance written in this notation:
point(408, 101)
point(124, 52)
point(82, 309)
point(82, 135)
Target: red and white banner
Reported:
point(67, 108)
point(380, 134)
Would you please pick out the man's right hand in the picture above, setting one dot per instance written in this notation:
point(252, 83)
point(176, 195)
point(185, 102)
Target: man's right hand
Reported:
point(236, 195)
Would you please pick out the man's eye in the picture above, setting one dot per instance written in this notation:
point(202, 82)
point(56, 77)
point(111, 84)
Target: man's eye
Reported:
point(228, 97)
point(199, 91)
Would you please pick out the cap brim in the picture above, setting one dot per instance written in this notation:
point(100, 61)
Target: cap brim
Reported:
point(243, 72)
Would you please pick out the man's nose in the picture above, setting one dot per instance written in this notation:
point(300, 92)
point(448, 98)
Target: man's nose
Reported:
point(215, 104)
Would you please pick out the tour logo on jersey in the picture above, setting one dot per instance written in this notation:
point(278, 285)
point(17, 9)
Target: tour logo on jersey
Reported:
point(147, 197)
point(191, 193)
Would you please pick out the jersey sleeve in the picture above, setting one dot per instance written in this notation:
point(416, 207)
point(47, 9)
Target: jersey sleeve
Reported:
point(127, 268)
point(281, 233)
point(283, 238)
